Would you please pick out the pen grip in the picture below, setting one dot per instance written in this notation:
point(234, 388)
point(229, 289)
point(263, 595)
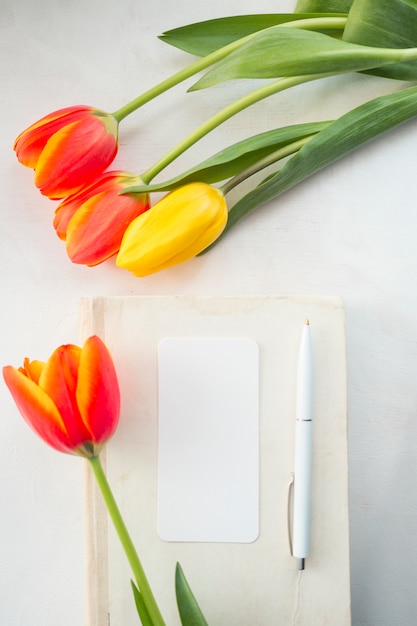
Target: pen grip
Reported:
point(302, 489)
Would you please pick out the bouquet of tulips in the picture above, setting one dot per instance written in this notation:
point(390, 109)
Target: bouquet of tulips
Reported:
point(104, 214)
point(72, 401)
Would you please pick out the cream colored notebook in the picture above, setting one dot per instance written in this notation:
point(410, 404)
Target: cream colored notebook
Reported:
point(202, 460)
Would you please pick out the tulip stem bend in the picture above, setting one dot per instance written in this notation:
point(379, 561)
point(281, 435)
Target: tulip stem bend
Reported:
point(126, 541)
point(178, 77)
point(232, 109)
point(217, 55)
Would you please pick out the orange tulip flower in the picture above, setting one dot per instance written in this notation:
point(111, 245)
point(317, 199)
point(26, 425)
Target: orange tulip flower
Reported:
point(93, 221)
point(182, 224)
point(68, 148)
point(72, 401)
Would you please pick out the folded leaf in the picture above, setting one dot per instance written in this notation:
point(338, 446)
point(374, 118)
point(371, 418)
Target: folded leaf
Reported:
point(190, 612)
point(385, 24)
point(202, 38)
point(339, 138)
point(319, 6)
point(235, 158)
point(279, 51)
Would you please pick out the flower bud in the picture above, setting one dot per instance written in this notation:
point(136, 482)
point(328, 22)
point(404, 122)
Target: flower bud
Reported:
point(68, 148)
point(175, 229)
point(92, 222)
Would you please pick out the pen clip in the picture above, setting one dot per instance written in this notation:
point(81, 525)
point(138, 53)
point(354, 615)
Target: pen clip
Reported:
point(289, 510)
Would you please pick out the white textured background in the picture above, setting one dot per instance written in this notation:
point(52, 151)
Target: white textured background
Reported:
point(349, 231)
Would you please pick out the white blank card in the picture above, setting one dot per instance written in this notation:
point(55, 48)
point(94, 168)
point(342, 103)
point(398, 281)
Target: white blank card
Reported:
point(208, 440)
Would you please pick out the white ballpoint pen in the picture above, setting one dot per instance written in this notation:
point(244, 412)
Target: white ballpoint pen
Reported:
point(303, 450)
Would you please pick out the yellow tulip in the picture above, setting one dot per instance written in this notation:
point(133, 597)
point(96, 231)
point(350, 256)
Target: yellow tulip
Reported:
point(175, 229)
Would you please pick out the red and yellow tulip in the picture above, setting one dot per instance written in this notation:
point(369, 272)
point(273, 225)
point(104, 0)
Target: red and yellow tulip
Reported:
point(72, 401)
point(68, 148)
point(175, 229)
point(92, 222)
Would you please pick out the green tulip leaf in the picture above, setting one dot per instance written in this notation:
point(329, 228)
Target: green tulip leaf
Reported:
point(203, 38)
point(385, 24)
point(190, 612)
point(320, 6)
point(233, 159)
point(341, 137)
point(279, 51)
point(140, 606)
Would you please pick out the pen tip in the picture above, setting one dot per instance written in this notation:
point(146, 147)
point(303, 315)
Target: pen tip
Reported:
point(307, 322)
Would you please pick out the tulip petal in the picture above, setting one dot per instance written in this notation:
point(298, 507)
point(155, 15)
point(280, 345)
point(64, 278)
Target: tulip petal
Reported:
point(32, 369)
point(65, 165)
point(30, 143)
point(98, 394)
point(67, 208)
point(37, 408)
point(96, 229)
point(178, 227)
point(59, 380)
point(63, 214)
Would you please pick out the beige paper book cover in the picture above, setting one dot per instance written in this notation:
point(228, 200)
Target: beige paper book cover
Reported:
point(237, 582)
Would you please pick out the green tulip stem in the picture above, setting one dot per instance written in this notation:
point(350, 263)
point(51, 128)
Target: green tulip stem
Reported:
point(126, 541)
point(232, 109)
point(176, 78)
point(213, 57)
point(272, 158)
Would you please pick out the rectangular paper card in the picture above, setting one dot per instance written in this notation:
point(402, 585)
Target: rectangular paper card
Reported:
point(208, 439)
point(202, 459)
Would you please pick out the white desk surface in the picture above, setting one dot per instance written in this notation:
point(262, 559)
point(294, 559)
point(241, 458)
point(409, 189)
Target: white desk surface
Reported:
point(349, 231)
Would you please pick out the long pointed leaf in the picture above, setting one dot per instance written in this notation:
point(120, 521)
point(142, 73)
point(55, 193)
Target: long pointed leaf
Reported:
point(340, 138)
point(235, 158)
point(141, 606)
point(202, 38)
point(278, 52)
point(190, 612)
point(385, 24)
